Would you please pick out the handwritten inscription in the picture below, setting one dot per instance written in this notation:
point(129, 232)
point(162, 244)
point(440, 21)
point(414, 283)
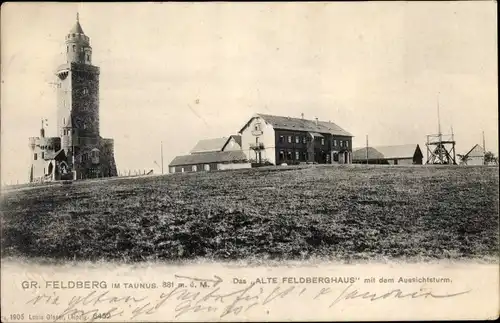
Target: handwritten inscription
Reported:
point(211, 295)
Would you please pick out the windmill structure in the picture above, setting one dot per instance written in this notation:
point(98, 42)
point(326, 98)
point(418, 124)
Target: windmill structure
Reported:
point(441, 147)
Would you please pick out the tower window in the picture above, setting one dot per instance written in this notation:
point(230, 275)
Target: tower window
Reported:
point(43, 154)
point(74, 48)
point(35, 156)
point(67, 49)
point(88, 58)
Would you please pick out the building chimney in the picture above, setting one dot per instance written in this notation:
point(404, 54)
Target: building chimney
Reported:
point(42, 132)
point(316, 121)
point(302, 116)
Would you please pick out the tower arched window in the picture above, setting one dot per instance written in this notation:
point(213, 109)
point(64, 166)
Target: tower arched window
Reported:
point(74, 48)
point(67, 49)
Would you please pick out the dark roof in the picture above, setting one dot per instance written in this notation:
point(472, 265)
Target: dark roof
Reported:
point(49, 155)
point(288, 123)
point(77, 29)
point(237, 138)
point(207, 145)
point(386, 152)
point(209, 157)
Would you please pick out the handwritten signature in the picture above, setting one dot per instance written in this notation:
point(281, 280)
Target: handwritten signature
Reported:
point(212, 300)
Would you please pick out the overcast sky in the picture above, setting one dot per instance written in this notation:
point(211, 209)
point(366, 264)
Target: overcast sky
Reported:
point(180, 72)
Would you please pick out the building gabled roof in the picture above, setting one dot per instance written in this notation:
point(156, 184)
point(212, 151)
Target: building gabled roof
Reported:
point(387, 152)
point(288, 123)
point(49, 155)
point(476, 151)
point(237, 139)
point(209, 157)
point(207, 145)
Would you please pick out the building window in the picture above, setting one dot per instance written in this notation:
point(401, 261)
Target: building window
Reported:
point(347, 143)
point(341, 143)
point(35, 156)
point(207, 167)
point(282, 155)
point(297, 155)
point(335, 142)
point(67, 49)
point(322, 141)
point(74, 48)
point(43, 155)
point(282, 139)
point(289, 155)
point(305, 155)
point(257, 127)
point(193, 168)
point(88, 58)
point(297, 139)
point(182, 169)
point(289, 139)
point(304, 139)
point(335, 156)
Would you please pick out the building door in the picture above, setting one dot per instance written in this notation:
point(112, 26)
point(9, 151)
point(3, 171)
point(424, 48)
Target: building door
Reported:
point(346, 157)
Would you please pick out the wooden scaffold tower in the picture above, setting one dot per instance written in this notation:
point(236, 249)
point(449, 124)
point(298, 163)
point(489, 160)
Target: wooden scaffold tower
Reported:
point(441, 147)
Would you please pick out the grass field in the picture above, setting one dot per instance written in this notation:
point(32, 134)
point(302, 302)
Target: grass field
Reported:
point(344, 213)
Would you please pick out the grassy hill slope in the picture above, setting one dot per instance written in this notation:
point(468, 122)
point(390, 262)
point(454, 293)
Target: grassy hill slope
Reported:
point(344, 213)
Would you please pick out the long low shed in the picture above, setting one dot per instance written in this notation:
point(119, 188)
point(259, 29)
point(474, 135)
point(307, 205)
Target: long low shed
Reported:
point(217, 160)
point(390, 155)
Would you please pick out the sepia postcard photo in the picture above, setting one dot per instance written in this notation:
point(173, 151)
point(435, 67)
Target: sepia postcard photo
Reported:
point(253, 161)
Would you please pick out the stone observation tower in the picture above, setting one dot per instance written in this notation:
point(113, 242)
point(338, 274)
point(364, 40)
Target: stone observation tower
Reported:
point(80, 152)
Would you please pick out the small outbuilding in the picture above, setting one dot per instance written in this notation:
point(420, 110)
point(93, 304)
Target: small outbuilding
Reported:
point(409, 154)
point(475, 156)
